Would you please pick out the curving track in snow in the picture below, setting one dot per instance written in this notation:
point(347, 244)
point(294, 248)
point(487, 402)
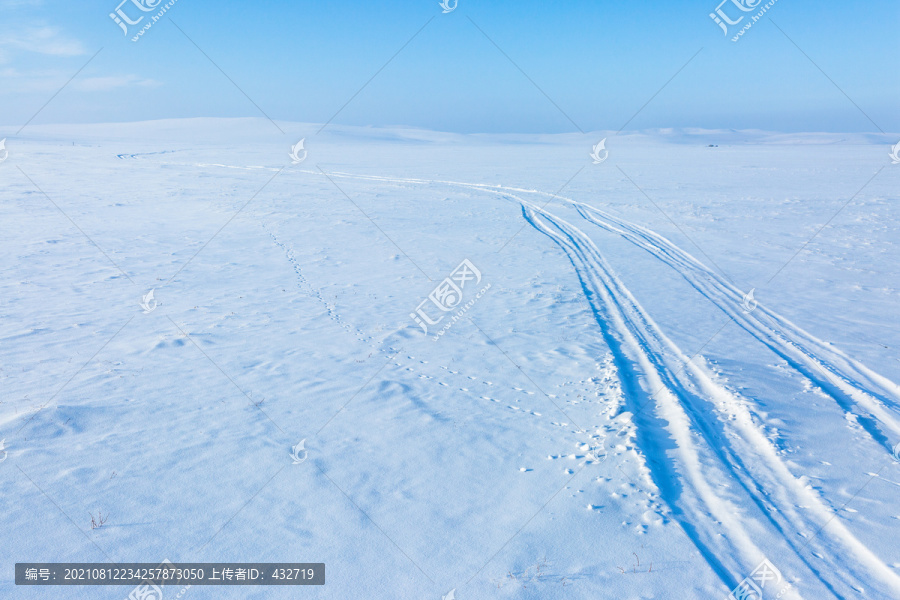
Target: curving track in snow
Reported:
point(855, 387)
point(871, 398)
point(720, 476)
point(699, 438)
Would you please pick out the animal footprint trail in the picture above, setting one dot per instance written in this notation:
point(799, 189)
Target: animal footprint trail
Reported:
point(330, 308)
point(707, 453)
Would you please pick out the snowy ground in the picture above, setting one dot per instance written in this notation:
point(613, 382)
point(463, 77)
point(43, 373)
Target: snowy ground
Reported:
point(609, 419)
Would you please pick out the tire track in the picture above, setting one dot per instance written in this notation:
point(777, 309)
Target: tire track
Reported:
point(700, 438)
point(715, 441)
point(846, 380)
point(870, 397)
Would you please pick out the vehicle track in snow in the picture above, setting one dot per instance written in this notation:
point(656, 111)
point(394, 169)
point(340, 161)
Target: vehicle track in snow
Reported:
point(871, 398)
point(856, 388)
point(717, 472)
point(700, 437)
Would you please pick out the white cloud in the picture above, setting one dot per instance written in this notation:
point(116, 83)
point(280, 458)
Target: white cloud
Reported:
point(18, 3)
point(102, 84)
point(14, 81)
point(42, 40)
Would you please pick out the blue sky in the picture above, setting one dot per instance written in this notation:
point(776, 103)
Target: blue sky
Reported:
point(599, 62)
